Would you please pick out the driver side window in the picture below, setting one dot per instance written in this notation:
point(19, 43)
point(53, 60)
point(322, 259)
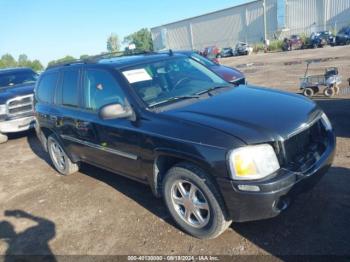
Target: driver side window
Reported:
point(100, 89)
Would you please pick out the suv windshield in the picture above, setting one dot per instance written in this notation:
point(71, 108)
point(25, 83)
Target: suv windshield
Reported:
point(170, 80)
point(17, 78)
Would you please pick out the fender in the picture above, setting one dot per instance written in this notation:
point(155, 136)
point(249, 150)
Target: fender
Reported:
point(178, 156)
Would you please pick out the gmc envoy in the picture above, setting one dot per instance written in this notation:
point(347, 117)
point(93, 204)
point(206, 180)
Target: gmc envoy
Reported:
point(215, 152)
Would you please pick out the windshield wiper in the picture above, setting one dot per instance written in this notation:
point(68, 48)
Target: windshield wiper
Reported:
point(210, 89)
point(174, 98)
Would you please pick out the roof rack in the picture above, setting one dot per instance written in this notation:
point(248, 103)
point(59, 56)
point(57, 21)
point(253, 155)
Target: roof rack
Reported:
point(95, 58)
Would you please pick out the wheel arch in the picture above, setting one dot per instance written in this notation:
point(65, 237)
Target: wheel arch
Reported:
point(166, 159)
point(43, 133)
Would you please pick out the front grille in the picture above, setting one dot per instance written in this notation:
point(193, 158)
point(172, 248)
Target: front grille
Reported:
point(20, 106)
point(305, 148)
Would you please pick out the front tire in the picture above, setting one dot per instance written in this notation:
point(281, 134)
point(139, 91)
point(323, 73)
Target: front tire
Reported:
point(329, 92)
point(194, 202)
point(60, 159)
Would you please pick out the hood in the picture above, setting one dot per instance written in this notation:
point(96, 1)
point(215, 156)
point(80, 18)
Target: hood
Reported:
point(253, 115)
point(227, 73)
point(7, 93)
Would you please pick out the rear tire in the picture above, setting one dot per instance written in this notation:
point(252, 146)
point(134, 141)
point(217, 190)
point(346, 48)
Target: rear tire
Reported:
point(194, 202)
point(60, 159)
point(3, 138)
point(308, 92)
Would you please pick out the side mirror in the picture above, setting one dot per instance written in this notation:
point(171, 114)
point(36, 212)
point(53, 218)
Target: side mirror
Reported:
point(115, 111)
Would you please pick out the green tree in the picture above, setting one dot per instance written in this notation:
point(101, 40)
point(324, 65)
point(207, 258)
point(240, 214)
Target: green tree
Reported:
point(82, 57)
point(113, 44)
point(23, 60)
point(142, 40)
point(7, 60)
point(67, 58)
point(36, 65)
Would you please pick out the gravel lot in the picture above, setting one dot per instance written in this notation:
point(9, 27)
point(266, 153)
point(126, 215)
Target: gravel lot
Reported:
point(96, 212)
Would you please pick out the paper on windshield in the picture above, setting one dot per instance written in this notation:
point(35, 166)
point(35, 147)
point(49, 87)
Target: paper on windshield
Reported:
point(137, 75)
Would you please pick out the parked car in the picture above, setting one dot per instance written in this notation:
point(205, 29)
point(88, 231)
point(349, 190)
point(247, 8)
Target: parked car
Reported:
point(16, 100)
point(343, 37)
point(225, 52)
point(243, 48)
point(231, 75)
point(216, 153)
point(321, 39)
point(211, 52)
point(296, 42)
point(292, 43)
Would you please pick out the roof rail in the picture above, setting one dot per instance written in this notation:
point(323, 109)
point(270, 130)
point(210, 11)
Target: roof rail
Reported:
point(66, 63)
point(95, 58)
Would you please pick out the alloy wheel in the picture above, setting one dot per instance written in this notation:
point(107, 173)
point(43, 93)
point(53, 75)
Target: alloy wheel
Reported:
point(190, 203)
point(58, 156)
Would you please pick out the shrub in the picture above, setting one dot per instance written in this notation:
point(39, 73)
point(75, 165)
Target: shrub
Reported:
point(258, 47)
point(306, 40)
point(276, 45)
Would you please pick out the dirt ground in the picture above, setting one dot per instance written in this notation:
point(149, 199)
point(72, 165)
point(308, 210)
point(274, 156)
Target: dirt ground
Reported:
point(96, 212)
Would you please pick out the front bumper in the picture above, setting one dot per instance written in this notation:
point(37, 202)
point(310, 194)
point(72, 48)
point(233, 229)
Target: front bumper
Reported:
point(275, 193)
point(17, 125)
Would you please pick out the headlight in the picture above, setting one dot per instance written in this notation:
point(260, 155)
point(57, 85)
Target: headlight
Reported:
point(327, 124)
point(2, 109)
point(253, 162)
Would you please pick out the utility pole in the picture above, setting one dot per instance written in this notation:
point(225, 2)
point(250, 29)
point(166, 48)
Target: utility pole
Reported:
point(325, 8)
point(265, 23)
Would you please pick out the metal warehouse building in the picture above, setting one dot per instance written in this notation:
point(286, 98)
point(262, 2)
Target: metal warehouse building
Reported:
point(249, 23)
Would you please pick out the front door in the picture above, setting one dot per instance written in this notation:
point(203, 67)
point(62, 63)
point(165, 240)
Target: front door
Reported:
point(114, 143)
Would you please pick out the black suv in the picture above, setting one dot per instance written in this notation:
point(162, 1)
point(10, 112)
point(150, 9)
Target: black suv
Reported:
point(321, 39)
point(343, 37)
point(215, 152)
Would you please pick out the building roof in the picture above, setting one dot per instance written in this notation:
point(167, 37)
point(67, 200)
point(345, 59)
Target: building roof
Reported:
point(198, 16)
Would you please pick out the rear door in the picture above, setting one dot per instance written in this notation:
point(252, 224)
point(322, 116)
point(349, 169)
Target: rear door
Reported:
point(67, 112)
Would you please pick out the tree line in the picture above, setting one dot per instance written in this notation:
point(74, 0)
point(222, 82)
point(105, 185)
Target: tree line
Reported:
point(141, 39)
point(8, 60)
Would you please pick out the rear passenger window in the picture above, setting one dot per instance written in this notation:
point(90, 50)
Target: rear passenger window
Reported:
point(100, 88)
point(46, 87)
point(70, 88)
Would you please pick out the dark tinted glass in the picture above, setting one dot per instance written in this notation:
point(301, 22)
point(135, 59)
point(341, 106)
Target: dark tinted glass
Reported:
point(202, 60)
point(17, 78)
point(100, 88)
point(46, 87)
point(70, 88)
